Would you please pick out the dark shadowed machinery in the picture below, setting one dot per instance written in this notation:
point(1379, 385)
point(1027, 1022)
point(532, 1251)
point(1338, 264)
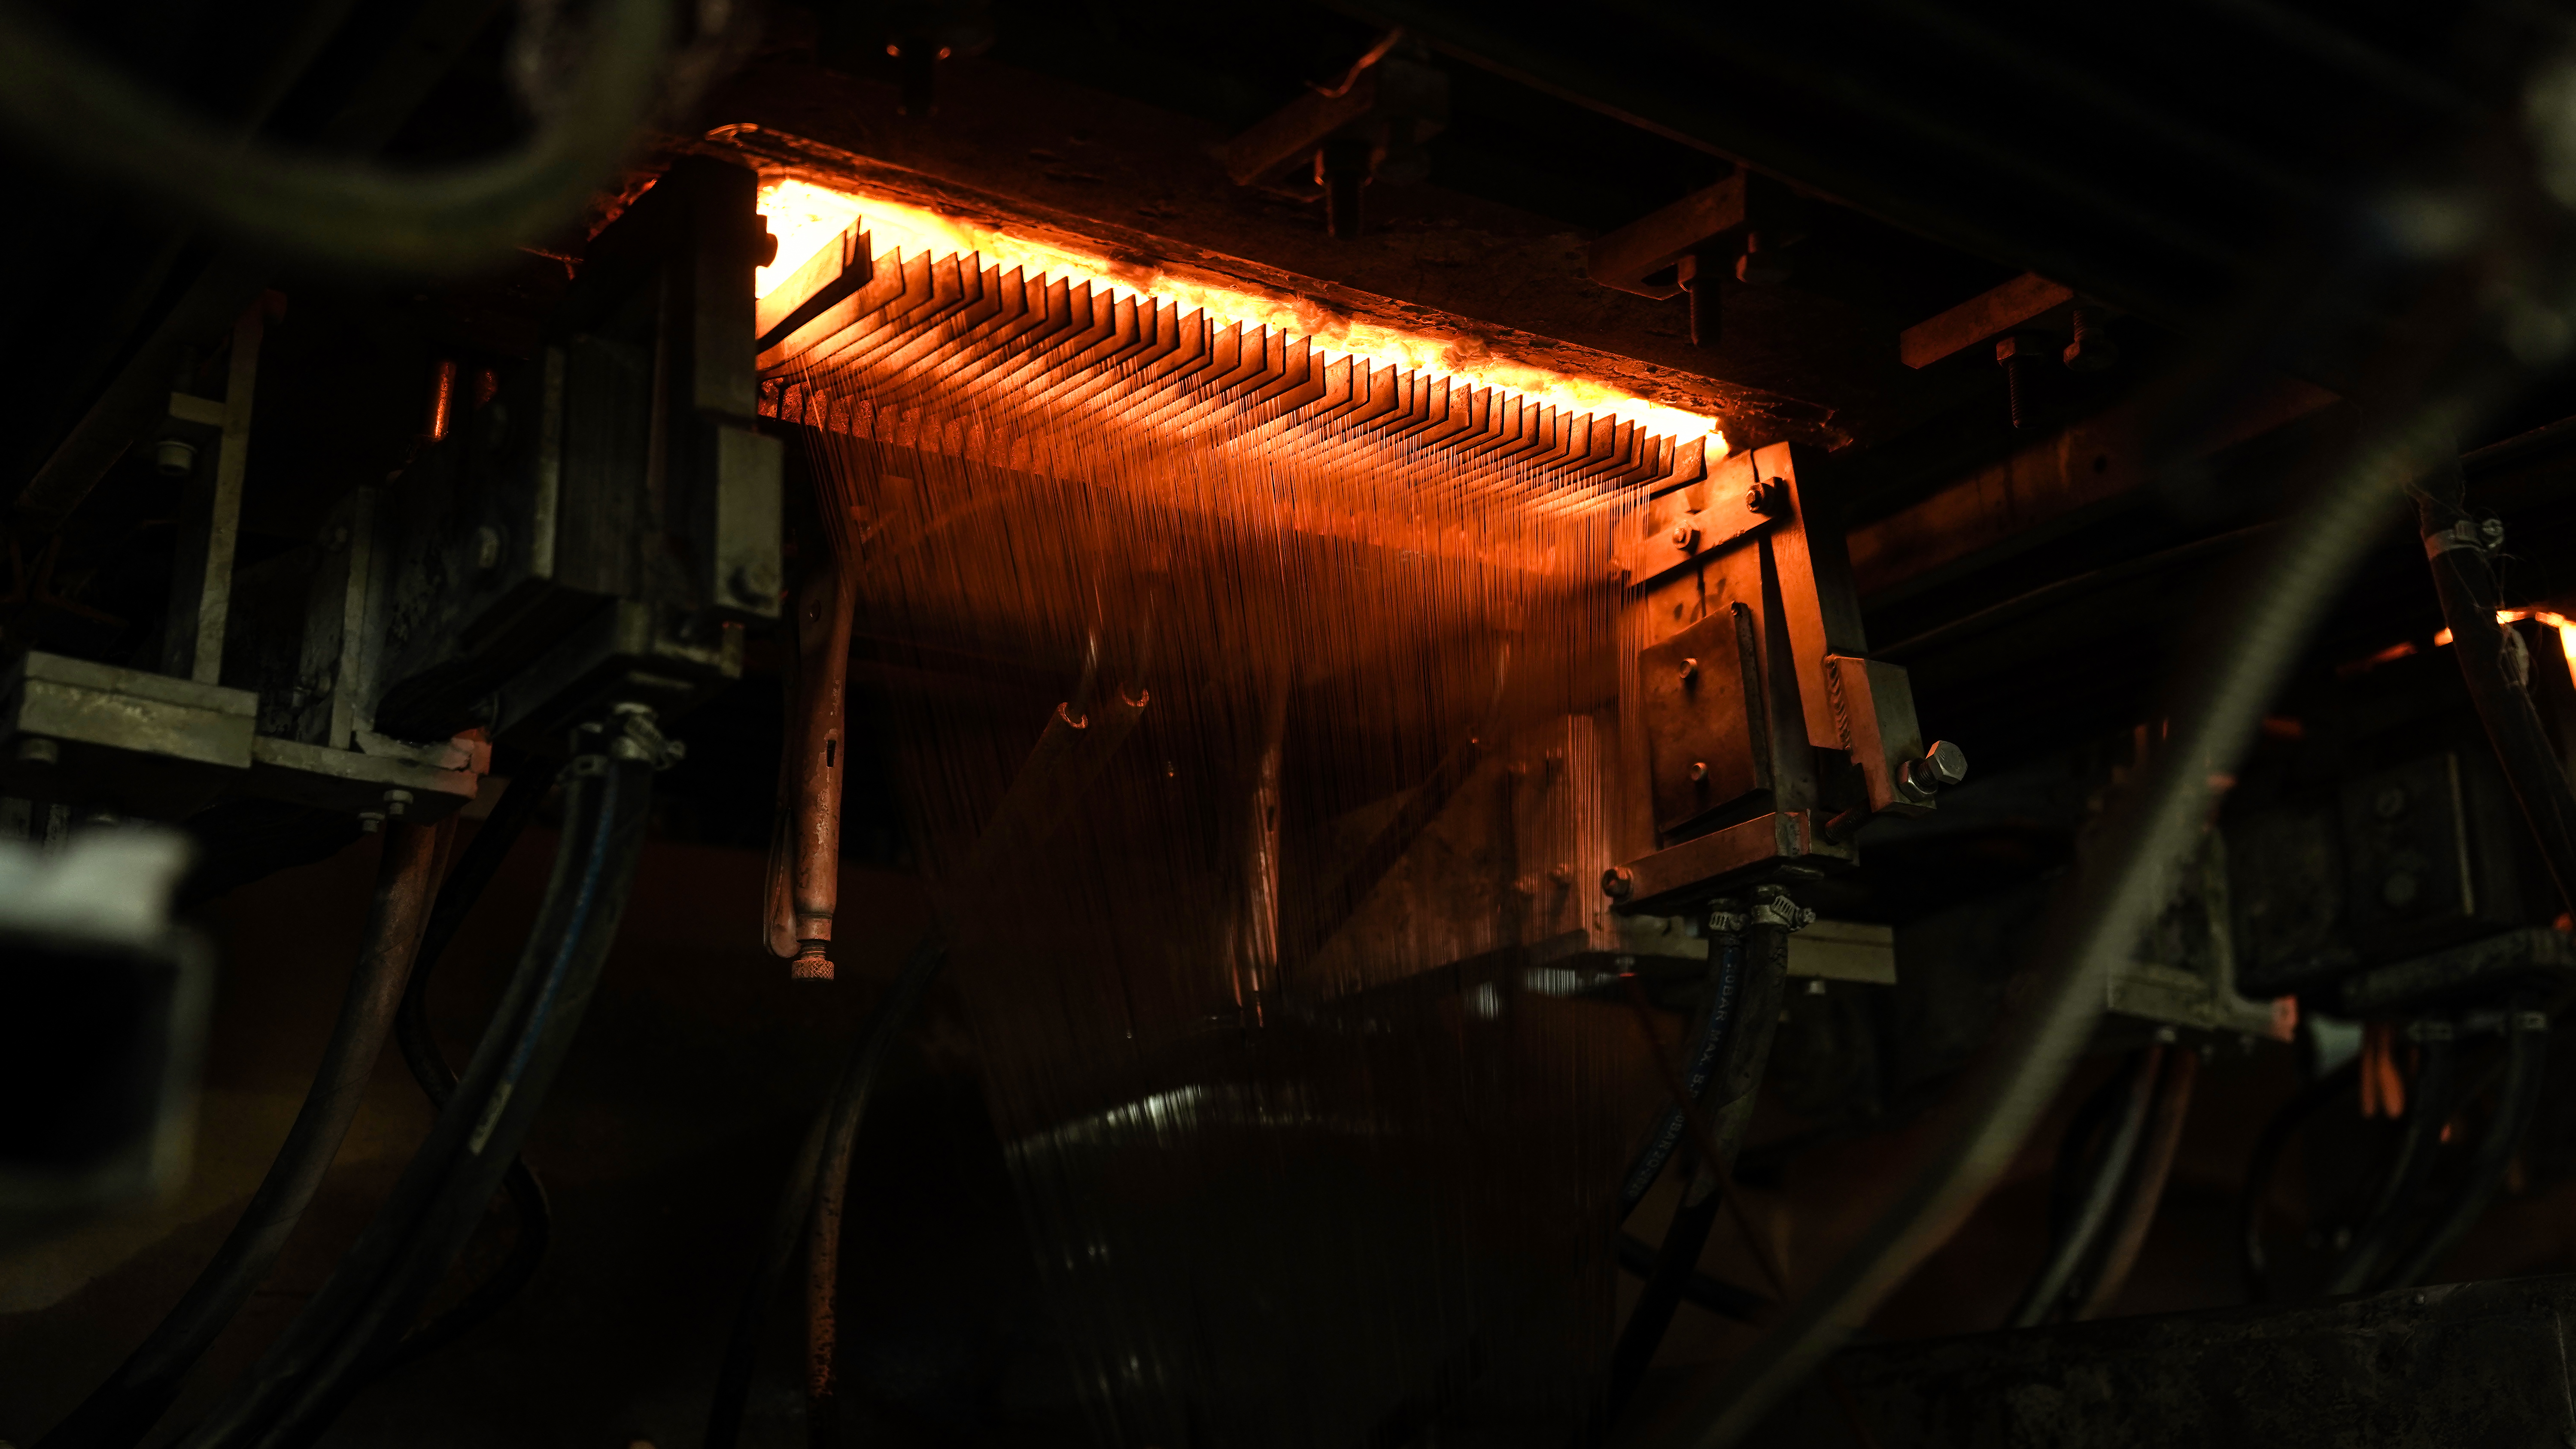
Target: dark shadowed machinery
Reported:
point(1187, 726)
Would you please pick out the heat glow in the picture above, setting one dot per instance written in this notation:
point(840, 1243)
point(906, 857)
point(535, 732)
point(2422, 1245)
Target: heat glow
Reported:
point(806, 217)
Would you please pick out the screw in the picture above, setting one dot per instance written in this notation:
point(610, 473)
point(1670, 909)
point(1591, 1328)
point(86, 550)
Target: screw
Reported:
point(1690, 669)
point(1699, 769)
point(1562, 874)
point(1815, 986)
point(1617, 883)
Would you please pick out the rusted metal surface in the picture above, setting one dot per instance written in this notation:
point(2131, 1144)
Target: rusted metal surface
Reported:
point(2018, 303)
point(2432, 1368)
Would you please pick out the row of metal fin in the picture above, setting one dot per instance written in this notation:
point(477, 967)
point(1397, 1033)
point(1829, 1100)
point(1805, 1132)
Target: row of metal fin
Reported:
point(962, 335)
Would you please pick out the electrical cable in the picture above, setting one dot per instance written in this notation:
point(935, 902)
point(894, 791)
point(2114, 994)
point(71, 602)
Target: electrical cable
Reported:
point(121, 1411)
point(519, 804)
point(1686, 1236)
point(289, 1397)
point(2252, 1260)
point(2288, 583)
point(2148, 1174)
point(2067, 1252)
point(1725, 979)
point(2459, 548)
point(2526, 1060)
point(86, 116)
point(2429, 1107)
point(1726, 1300)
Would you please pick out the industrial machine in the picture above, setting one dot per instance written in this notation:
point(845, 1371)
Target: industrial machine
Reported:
point(1256, 729)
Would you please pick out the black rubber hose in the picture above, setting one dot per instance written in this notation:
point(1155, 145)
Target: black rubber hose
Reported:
point(1726, 1300)
point(290, 1396)
point(2140, 1200)
point(534, 1231)
point(1675, 1260)
point(121, 1411)
point(1756, 956)
point(2047, 1287)
point(2252, 1260)
point(1725, 980)
point(2466, 582)
point(2526, 1058)
point(2383, 1228)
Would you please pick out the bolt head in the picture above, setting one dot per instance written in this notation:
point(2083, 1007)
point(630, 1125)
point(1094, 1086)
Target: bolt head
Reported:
point(1617, 883)
point(1699, 769)
point(1946, 762)
point(1690, 669)
point(39, 751)
point(1767, 497)
point(174, 458)
point(1685, 536)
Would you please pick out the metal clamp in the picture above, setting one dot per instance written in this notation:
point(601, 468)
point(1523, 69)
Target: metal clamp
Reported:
point(1772, 907)
point(2478, 535)
point(634, 735)
point(1728, 918)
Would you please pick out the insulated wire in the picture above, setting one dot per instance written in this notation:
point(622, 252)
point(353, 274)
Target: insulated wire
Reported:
point(121, 1411)
point(2147, 1178)
point(1686, 1237)
point(1725, 977)
point(2068, 1252)
point(289, 1397)
point(2260, 1168)
point(86, 116)
point(2526, 1058)
point(519, 804)
point(2291, 581)
point(2429, 1106)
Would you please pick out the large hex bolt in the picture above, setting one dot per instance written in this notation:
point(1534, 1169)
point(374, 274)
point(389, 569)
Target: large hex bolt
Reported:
point(1940, 767)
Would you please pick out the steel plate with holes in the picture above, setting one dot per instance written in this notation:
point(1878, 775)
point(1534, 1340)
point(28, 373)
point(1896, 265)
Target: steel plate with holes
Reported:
point(1702, 693)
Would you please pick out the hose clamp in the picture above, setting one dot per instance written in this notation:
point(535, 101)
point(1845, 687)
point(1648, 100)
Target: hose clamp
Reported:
point(2478, 535)
point(1772, 907)
point(1728, 918)
point(630, 733)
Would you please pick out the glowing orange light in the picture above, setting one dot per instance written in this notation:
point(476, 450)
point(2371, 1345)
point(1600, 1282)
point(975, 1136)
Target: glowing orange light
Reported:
point(805, 217)
point(2566, 632)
